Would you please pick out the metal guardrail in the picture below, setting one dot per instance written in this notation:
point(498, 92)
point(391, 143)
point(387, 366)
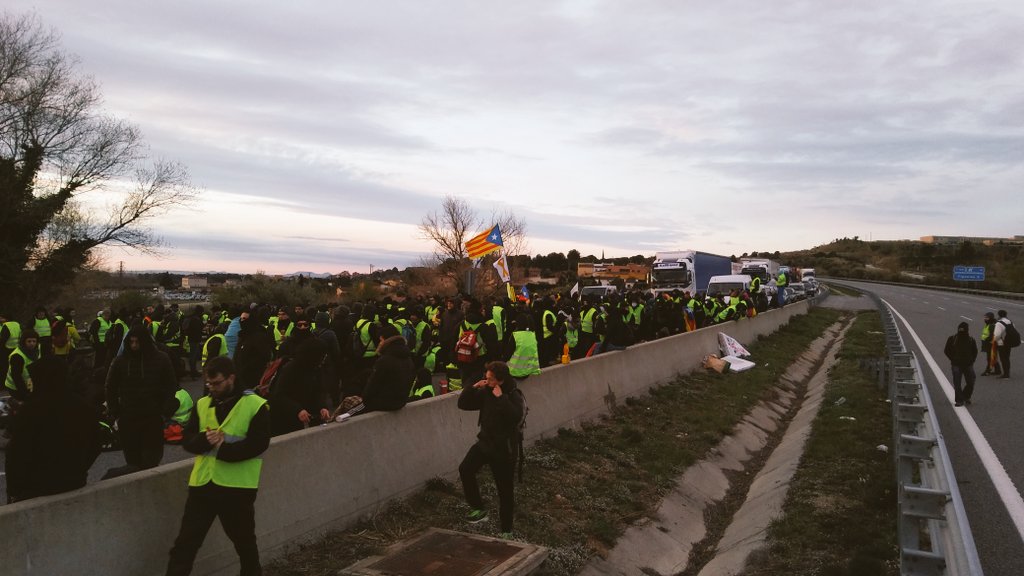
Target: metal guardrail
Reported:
point(934, 534)
point(936, 287)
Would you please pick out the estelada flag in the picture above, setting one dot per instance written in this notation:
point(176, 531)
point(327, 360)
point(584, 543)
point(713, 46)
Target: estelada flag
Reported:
point(484, 243)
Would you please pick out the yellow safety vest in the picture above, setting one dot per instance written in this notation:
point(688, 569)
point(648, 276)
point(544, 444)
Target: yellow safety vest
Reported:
point(544, 324)
point(9, 382)
point(207, 468)
point(525, 361)
point(184, 411)
point(496, 314)
point(223, 347)
point(101, 333)
point(15, 334)
point(587, 321)
point(42, 327)
point(363, 328)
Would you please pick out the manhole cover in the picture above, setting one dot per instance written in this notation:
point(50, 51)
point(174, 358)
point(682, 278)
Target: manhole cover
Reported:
point(446, 553)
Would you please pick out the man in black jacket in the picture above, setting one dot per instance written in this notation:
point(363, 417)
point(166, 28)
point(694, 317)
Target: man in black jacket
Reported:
point(501, 409)
point(962, 350)
point(391, 380)
point(140, 394)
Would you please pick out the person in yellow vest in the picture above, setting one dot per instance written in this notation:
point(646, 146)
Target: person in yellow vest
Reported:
point(10, 334)
point(523, 357)
point(174, 428)
point(229, 430)
point(18, 381)
point(41, 323)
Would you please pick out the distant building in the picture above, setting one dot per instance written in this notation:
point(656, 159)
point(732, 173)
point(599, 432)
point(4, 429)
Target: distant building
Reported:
point(195, 282)
point(605, 271)
point(534, 276)
point(987, 241)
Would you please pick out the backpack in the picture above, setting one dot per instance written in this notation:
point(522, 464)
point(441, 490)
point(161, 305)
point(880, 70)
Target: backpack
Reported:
point(467, 349)
point(1012, 337)
point(410, 336)
point(59, 334)
point(270, 374)
point(521, 429)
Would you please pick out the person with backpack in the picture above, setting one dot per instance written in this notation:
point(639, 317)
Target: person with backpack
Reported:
point(502, 409)
point(1005, 336)
point(476, 345)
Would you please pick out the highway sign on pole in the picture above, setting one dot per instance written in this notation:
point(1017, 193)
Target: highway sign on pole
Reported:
point(969, 273)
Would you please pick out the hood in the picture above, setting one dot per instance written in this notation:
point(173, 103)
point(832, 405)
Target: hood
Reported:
point(394, 346)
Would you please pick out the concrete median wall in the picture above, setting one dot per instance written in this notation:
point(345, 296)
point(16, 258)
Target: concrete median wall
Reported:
point(328, 478)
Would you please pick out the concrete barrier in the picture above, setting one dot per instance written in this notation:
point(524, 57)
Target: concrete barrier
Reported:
point(328, 478)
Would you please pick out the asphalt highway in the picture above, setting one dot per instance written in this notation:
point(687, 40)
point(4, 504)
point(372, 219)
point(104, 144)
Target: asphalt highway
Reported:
point(997, 409)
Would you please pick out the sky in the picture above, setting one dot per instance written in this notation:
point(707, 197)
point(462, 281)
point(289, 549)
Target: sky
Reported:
point(321, 133)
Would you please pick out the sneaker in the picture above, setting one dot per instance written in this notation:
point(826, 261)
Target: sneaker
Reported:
point(476, 516)
point(958, 404)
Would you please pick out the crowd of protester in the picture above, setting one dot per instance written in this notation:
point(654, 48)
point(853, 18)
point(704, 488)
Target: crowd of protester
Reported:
point(313, 364)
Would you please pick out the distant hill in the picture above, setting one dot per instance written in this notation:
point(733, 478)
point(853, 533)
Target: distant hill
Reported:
point(914, 261)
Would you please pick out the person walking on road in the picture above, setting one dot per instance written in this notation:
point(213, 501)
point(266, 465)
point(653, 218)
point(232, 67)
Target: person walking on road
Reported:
point(962, 351)
point(999, 337)
point(228, 432)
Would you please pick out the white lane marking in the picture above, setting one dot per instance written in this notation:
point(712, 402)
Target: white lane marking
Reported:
point(1007, 491)
point(966, 318)
point(941, 308)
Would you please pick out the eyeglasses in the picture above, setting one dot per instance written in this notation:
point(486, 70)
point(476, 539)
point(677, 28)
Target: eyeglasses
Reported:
point(216, 382)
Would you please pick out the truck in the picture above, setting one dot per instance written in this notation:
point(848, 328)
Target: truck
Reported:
point(686, 270)
point(763, 268)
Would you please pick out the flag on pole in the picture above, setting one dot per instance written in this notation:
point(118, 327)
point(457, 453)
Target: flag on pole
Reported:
point(501, 265)
point(511, 292)
point(525, 293)
point(484, 243)
point(575, 289)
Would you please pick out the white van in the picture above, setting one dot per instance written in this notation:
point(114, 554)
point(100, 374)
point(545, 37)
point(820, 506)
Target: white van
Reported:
point(725, 284)
point(597, 292)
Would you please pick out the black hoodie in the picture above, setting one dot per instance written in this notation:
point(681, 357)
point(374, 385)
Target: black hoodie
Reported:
point(141, 382)
point(960, 348)
point(499, 417)
point(392, 377)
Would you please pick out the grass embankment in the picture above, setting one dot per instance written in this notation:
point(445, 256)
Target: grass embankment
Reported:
point(583, 488)
point(840, 290)
point(839, 517)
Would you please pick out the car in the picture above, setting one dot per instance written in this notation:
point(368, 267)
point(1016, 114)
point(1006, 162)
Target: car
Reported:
point(799, 291)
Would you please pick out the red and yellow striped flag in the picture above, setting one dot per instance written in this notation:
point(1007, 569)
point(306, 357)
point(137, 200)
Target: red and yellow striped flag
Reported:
point(484, 243)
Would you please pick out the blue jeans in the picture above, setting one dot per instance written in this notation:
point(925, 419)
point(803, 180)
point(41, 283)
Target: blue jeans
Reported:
point(963, 373)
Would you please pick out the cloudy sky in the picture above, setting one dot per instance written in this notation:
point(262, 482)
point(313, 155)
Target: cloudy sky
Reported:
point(322, 132)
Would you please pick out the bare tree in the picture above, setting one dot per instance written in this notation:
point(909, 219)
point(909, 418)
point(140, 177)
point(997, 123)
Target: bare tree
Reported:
point(455, 223)
point(55, 147)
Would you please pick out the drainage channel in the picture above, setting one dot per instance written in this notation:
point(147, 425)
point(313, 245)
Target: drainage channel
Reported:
point(719, 511)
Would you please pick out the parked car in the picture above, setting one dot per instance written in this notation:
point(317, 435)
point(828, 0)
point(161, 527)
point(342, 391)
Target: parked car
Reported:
point(799, 291)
